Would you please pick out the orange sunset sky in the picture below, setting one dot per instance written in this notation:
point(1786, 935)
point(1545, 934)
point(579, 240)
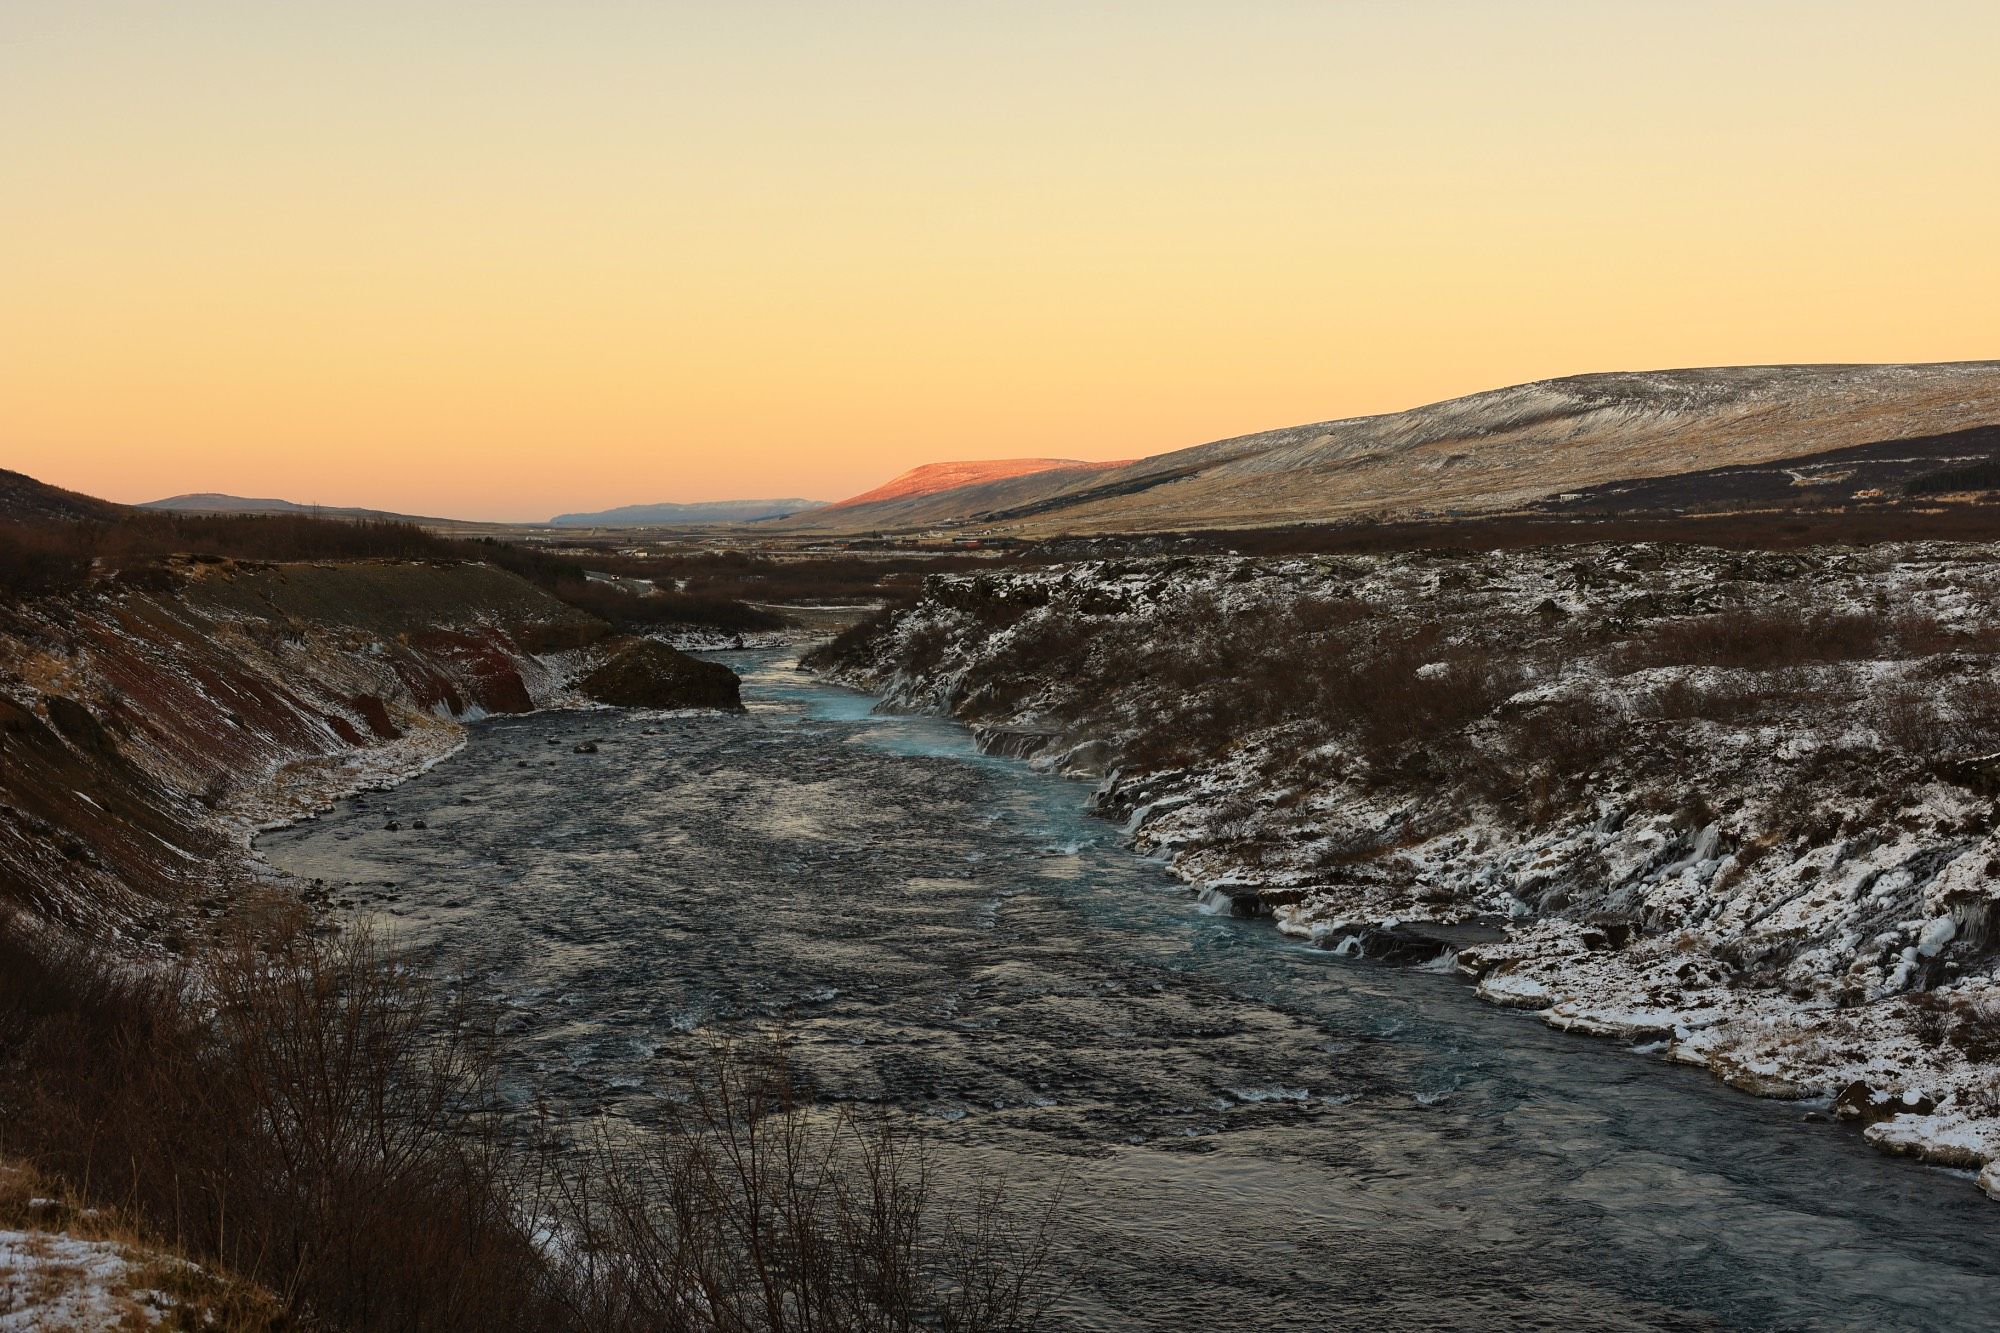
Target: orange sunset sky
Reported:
point(500, 259)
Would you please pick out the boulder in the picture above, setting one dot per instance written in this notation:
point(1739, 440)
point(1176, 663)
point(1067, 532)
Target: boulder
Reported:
point(649, 674)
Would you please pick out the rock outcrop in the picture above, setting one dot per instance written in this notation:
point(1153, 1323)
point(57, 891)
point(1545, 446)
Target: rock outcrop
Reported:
point(650, 674)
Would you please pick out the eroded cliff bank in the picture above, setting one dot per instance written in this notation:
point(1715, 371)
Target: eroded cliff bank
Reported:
point(146, 727)
point(1735, 807)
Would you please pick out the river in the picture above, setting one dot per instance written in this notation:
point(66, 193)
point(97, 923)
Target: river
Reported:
point(1256, 1134)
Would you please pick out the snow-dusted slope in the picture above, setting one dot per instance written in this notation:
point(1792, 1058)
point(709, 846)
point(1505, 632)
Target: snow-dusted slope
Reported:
point(1488, 451)
point(1736, 807)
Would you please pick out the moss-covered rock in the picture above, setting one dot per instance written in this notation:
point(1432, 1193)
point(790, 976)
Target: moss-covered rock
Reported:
point(649, 674)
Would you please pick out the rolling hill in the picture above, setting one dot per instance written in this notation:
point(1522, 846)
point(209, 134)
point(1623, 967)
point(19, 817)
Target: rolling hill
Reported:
point(1489, 452)
point(23, 499)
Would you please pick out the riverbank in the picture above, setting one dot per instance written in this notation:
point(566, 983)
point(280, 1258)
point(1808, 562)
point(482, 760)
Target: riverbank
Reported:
point(1732, 807)
point(149, 729)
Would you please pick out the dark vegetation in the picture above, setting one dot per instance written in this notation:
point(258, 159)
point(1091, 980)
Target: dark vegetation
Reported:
point(1770, 638)
point(53, 555)
point(1771, 529)
point(1980, 476)
point(320, 1119)
point(1175, 692)
point(1863, 474)
point(1444, 702)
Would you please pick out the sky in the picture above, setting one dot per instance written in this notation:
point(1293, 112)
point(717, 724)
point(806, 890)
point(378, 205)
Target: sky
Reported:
point(489, 258)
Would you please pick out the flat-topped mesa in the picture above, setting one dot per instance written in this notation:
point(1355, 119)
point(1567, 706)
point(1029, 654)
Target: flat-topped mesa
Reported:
point(930, 478)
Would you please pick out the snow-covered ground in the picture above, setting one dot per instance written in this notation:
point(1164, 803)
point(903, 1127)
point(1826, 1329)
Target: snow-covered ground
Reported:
point(52, 1280)
point(69, 1269)
point(1738, 807)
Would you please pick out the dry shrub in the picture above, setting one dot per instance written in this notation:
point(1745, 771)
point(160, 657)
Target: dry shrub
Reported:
point(759, 1211)
point(1731, 700)
point(1972, 722)
point(1937, 718)
point(320, 1119)
point(1543, 758)
point(855, 645)
point(1907, 718)
point(1950, 1022)
point(1406, 704)
point(1757, 639)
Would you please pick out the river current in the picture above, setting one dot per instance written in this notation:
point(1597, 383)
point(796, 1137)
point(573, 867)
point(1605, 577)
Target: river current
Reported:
point(1256, 1134)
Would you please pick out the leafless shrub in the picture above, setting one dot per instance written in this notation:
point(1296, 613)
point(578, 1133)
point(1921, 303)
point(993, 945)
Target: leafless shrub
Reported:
point(1972, 722)
point(315, 1119)
point(1683, 699)
point(755, 1210)
point(1542, 758)
point(1946, 1021)
point(1756, 639)
point(320, 1119)
point(1907, 718)
point(853, 645)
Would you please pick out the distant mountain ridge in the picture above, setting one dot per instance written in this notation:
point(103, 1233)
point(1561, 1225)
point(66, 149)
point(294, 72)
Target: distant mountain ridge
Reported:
point(685, 515)
point(215, 502)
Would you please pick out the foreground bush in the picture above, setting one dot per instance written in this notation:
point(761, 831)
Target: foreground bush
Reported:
point(321, 1120)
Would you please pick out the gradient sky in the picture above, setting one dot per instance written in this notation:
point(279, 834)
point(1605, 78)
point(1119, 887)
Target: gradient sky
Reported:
point(498, 259)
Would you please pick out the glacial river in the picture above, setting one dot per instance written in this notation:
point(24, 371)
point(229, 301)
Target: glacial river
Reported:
point(1258, 1135)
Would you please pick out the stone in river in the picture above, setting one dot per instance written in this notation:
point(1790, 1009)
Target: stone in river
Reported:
point(650, 674)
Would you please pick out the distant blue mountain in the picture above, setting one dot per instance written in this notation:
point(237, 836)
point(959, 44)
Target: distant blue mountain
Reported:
point(685, 515)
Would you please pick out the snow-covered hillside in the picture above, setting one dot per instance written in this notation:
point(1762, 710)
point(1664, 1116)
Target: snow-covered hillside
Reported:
point(1736, 807)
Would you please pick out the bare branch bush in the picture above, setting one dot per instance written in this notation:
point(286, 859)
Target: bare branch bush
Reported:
point(322, 1119)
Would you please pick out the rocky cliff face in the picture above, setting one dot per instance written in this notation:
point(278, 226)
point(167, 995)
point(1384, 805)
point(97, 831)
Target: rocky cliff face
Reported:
point(1735, 807)
point(145, 729)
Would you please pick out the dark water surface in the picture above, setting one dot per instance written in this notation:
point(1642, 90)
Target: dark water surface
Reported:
point(1258, 1135)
